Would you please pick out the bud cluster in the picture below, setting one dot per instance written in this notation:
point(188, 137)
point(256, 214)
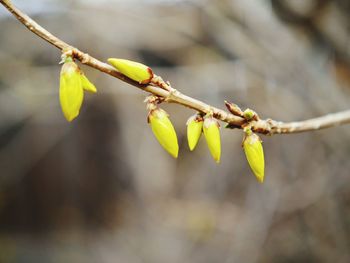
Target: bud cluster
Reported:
point(210, 127)
point(73, 82)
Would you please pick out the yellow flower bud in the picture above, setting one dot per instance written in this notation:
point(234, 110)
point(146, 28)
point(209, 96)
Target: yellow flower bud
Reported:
point(87, 85)
point(194, 130)
point(71, 90)
point(212, 135)
point(164, 131)
point(255, 154)
point(133, 70)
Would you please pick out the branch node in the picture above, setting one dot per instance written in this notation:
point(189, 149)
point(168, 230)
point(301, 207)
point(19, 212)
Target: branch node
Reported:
point(158, 81)
point(173, 94)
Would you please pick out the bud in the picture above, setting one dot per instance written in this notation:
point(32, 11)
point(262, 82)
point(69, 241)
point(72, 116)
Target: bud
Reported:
point(249, 114)
point(194, 130)
point(87, 85)
point(255, 154)
point(71, 90)
point(133, 70)
point(234, 109)
point(164, 131)
point(212, 135)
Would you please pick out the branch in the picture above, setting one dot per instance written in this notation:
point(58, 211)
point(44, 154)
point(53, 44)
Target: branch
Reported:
point(162, 89)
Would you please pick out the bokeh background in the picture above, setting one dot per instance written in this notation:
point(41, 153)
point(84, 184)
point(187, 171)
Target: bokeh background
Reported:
point(101, 189)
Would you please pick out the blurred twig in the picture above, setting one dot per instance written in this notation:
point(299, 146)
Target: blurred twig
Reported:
point(162, 89)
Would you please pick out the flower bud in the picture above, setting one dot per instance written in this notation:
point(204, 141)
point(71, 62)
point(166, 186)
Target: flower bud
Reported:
point(255, 154)
point(234, 109)
point(71, 90)
point(164, 131)
point(249, 115)
point(194, 130)
point(87, 85)
point(133, 70)
point(212, 135)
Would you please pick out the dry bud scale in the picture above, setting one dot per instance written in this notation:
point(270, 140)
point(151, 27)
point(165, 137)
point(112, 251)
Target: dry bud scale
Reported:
point(194, 130)
point(133, 70)
point(254, 152)
point(163, 130)
point(211, 130)
point(234, 109)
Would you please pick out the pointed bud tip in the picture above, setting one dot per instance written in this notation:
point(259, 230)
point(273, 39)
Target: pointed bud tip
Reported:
point(175, 154)
point(87, 84)
point(260, 179)
point(71, 117)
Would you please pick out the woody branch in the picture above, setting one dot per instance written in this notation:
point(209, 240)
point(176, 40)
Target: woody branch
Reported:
point(162, 89)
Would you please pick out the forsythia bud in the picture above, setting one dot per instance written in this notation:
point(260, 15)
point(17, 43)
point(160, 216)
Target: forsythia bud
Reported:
point(133, 70)
point(249, 114)
point(164, 130)
point(234, 109)
point(255, 154)
point(71, 90)
point(212, 135)
point(87, 85)
point(194, 130)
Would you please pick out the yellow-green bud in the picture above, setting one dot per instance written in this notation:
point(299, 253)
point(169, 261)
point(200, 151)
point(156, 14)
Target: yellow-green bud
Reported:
point(71, 90)
point(164, 131)
point(249, 114)
point(133, 70)
point(87, 85)
point(194, 130)
point(254, 152)
point(211, 130)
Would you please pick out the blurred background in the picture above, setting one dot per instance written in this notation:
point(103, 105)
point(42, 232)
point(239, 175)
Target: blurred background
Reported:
point(101, 189)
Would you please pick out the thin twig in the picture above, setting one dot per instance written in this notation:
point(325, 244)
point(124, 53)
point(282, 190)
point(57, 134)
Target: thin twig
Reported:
point(173, 96)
